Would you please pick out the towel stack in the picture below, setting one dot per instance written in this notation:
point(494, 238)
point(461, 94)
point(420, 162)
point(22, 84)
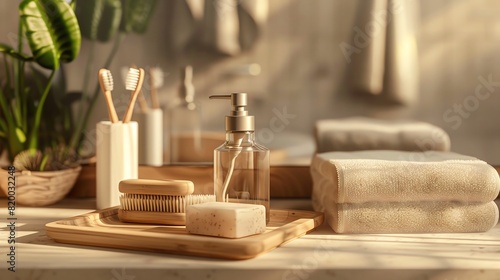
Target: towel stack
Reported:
point(405, 192)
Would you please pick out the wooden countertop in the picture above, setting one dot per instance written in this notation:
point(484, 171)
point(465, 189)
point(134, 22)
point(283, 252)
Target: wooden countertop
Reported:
point(321, 254)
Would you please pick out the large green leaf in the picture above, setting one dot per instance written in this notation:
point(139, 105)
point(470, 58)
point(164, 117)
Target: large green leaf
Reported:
point(110, 22)
point(137, 15)
point(52, 31)
point(11, 52)
point(89, 14)
point(99, 19)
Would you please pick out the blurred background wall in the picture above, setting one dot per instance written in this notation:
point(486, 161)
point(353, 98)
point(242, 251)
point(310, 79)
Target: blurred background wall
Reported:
point(304, 69)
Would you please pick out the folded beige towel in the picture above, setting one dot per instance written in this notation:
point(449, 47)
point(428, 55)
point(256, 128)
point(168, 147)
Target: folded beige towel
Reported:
point(358, 133)
point(412, 217)
point(398, 176)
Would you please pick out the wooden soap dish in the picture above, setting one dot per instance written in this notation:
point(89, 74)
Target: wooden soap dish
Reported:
point(102, 228)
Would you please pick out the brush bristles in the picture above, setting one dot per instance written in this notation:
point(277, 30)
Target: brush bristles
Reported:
point(162, 203)
point(107, 80)
point(132, 79)
point(157, 75)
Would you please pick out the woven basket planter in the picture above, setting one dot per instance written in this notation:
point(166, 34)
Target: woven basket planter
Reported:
point(40, 188)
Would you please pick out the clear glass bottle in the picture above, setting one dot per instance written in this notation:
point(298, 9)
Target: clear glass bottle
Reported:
point(185, 123)
point(241, 166)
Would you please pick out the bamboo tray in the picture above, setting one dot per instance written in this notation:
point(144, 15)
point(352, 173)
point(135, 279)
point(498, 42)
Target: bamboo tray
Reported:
point(103, 229)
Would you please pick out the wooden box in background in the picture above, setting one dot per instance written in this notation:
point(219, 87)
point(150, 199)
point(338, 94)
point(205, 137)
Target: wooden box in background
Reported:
point(286, 181)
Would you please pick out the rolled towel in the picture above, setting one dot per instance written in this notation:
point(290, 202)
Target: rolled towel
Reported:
point(355, 134)
point(412, 217)
point(398, 176)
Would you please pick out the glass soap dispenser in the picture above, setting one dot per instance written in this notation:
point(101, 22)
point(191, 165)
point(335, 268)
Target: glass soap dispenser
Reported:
point(185, 123)
point(241, 166)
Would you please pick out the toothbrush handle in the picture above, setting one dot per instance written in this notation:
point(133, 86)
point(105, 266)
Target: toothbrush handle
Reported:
point(155, 103)
point(133, 98)
point(142, 102)
point(130, 108)
point(113, 117)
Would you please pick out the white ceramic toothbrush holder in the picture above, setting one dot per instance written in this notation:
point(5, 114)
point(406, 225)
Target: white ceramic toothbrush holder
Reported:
point(150, 137)
point(117, 159)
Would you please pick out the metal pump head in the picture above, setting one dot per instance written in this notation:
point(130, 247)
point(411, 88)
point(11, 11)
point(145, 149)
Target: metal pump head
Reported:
point(238, 119)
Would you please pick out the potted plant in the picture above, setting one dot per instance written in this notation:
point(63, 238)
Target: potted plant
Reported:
point(28, 131)
point(43, 137)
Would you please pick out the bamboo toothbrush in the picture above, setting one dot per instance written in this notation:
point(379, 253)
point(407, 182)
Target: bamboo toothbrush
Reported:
point(106, 83)
point(155, 82)
point(135, 78)
point(157, 201)
point(143, 104)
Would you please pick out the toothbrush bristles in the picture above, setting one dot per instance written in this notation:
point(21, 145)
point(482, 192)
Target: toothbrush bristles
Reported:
point(157, 76)
point(132, 79)
point(107, 79)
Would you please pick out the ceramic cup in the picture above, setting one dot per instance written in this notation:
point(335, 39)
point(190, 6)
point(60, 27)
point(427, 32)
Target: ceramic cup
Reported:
point(150, 137)
point(117, 159)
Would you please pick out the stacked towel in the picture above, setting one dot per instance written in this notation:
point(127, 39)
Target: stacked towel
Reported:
point(397, 191)
point(412, 217)
point(358, 133)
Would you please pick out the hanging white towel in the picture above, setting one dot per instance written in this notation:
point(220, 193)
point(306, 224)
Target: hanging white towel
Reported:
point(383, 56)
point(221, 26)
point(231, 26)
point(183, 20)
point(226, 26)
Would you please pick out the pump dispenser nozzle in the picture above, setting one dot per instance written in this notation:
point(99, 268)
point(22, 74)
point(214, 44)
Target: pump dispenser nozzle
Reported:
point(238, 119)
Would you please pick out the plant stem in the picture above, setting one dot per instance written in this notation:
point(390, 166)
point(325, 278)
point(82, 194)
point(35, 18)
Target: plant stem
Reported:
point(18, 83)
point(33, 140)
point(82, 124)
point(7, 71)
point(86, 77)
point(89, 67)
point(14, 146)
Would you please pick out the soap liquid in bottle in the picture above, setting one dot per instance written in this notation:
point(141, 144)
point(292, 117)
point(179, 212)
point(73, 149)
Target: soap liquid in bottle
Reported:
point(241, 171)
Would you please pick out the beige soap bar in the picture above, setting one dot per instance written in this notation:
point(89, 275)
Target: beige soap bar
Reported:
point(225, 219)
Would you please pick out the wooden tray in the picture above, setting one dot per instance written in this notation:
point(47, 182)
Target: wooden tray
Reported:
point(103, 228)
